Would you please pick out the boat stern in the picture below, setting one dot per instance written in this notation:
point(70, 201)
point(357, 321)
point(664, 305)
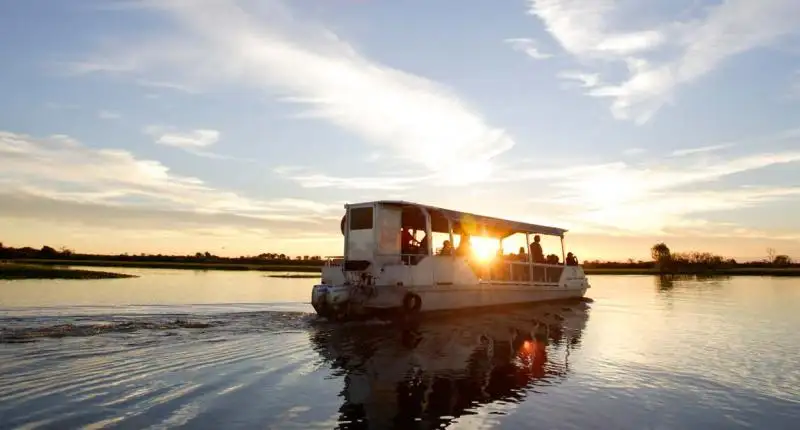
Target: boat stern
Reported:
point(573, 277)
point(319, 298)
point(329, 299)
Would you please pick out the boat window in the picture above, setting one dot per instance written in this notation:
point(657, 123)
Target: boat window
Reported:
point(361, 218)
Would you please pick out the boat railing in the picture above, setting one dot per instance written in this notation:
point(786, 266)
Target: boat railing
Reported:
point(511, 271)
point(495, 270)
point(334, 261)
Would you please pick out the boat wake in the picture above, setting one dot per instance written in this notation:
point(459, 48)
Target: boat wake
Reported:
point(148, 371)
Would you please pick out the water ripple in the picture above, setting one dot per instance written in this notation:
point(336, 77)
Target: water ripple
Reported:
point(711, 355)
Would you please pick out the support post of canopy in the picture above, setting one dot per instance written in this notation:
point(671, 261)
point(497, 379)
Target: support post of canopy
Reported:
point(346, 233)
point(488, 270)
point(502, 263)
point(450, 232)
point(452, 249)
point(563, 255)
point(428, 235)
point(530, 257)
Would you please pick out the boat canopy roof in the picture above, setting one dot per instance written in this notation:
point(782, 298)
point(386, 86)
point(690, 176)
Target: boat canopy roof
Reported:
point(464, 222)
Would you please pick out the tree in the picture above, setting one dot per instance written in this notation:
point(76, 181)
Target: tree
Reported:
point(782, 260)
point(661, 256)
point(771, 255)
point(48, 251)
point(660, 253)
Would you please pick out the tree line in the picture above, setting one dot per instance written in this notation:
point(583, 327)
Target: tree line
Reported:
point(50, 253)
point(663, 259)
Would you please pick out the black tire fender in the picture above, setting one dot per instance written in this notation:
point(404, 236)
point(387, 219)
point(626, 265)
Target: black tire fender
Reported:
point(411, 303)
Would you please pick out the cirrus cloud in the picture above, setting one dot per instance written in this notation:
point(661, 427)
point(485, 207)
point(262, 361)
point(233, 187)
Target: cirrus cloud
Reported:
point(661, 57)
point(218, 42)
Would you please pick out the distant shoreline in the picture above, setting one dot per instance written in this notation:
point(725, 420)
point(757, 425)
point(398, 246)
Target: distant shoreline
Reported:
point(176, 265)
point(306, 268)
point(18, 271)
point(728, 271)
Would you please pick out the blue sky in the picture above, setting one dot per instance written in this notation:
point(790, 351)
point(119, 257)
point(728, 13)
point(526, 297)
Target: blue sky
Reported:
point(243, 127)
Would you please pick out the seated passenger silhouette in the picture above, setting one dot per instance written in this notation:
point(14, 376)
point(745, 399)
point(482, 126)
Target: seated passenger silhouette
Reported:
point(447, 248)
point(572, 260)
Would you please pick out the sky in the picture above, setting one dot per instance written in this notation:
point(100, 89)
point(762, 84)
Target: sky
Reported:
point(241, 127)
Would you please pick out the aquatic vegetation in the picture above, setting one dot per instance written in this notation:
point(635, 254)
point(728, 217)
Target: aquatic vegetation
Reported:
point(33, 271)
point(295, 276)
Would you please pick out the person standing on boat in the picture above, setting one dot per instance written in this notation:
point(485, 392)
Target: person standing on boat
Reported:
point(519, 272)
point(536, 250)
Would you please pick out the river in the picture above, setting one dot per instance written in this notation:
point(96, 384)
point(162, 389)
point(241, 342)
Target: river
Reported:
point(217, 349)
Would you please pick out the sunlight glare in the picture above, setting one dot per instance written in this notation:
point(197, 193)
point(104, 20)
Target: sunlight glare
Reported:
point(484, 248)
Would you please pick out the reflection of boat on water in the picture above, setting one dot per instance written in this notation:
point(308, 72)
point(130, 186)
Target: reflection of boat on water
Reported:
point(433, 372)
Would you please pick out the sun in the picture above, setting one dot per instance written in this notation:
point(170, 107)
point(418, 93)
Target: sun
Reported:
point(483, 248)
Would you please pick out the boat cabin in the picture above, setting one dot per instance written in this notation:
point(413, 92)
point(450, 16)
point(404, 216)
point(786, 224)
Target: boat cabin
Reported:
point(388, 235)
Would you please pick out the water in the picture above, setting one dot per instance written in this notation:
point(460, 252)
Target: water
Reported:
point(242, 350)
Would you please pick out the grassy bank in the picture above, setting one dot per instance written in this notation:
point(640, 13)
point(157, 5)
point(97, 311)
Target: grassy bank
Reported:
point(177, 265)
point(731, 271)
point(35, 271)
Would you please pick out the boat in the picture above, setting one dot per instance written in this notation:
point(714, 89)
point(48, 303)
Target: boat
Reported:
point(391, 268)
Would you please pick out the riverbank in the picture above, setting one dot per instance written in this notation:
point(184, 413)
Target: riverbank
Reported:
point(16, 271)
point(177, 265)
point(313, 269)
point(730, 271)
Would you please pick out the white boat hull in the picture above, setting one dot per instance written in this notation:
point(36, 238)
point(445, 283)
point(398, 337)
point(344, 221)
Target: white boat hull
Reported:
point(484, 295)
point(336, 302)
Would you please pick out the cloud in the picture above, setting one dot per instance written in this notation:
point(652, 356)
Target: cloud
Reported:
point(528, 46)
point(218, 43)
point(690, 151)
point(357, 183)
point(168, 85)
point(653, 199)
point(661, 57)
point(107, 114)
point(58, 178)
point(586, 80)
point(199, 138)
point(194, 141)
